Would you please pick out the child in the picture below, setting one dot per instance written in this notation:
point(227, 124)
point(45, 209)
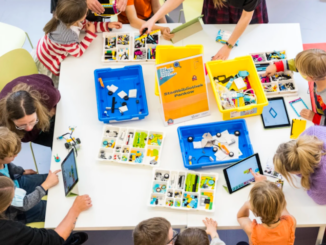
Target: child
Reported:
point(62, 36)
point(156, 231)
point(305, 156)
point(28, 207)
point(311, 64)
point(13, 232)
point(195, 236)
point(240, 12)
point(267, 201)
point(139, 11)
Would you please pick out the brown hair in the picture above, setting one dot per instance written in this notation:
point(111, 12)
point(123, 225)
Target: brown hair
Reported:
point(68, 12)
point(21, 101)
point(312, 63)
point(10, 144)
point(192, 236)
point(152, 231)
point(219, 3)
point(302, 155)
point(267, 201)
point(6, 193)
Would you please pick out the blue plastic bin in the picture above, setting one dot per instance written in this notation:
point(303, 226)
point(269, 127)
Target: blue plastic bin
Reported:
point(126, 78)
point(197, 131)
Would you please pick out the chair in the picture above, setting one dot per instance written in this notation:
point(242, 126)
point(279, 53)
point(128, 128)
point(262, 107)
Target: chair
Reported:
point(12, 38)
point(16, 63)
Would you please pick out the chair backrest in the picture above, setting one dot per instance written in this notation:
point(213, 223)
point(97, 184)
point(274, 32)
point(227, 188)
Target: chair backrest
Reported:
point(16, 63)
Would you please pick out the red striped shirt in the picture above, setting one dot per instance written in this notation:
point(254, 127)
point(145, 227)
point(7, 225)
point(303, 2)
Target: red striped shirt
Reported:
point(51, 54)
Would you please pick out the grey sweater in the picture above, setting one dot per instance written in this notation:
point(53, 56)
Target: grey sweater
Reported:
point(30, 200)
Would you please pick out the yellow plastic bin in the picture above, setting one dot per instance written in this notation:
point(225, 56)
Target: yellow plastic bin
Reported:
point(168, 53)
point(230, 68)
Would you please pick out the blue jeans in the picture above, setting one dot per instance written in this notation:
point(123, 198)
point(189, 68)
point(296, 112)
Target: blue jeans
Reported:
point(29, 183)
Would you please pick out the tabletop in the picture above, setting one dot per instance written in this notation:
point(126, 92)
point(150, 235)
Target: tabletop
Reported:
point(120, 193)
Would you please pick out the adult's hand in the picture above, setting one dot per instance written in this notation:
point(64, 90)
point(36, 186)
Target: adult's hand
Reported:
point(223, 53)
point(147, 25)
point(82, 203)
point(95, 6)
point(121, 5)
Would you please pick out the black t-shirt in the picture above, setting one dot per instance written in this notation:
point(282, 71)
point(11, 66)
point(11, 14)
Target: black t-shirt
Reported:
point(15, 233)
point(247, 5)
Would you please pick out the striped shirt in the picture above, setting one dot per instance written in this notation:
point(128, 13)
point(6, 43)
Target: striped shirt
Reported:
point(55, 46)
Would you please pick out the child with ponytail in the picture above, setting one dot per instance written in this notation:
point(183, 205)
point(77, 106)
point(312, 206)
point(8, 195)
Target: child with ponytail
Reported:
point(62, 36)
point(305, 156)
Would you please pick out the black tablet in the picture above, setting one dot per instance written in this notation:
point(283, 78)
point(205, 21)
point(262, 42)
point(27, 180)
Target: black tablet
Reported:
point(275, 114)
point(69, 172)
point(238, 175)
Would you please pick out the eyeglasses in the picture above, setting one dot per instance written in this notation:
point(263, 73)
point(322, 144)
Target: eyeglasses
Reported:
point(174, 238)
point(29, 124)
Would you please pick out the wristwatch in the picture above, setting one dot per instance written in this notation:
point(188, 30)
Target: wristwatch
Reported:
point(229, 45)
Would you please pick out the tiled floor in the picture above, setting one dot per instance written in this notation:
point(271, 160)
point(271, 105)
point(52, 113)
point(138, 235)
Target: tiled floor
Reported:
point(32, 15)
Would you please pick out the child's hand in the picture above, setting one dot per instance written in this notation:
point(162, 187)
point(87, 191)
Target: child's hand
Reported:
point(270, 71)
point(115, 25)
point(211, 227)
point(90, 27)
point(82, 203)
point(258, 177)
point(51, 180)
point(307, 114)
point(166, 33)
point(29, 172)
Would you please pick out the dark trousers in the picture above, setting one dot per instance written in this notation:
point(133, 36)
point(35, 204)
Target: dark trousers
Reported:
point(242, 243)
point(46, 138)
point(29, 183)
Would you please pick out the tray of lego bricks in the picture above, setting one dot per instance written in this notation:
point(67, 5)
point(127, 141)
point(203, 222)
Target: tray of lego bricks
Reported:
point(129, 46)
point(214, 144)
point(183, 190)
point(120, 94)
point(131, 146)
point(280, 84)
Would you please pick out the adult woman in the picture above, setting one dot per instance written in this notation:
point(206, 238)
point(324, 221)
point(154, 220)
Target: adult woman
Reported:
point(13, 232)
point(240, 12)
point(27, 107)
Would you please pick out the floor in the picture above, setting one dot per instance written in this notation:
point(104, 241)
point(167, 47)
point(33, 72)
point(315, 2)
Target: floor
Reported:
point(32, 15)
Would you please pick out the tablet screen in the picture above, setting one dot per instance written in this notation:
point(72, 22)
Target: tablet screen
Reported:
point(275, 114)
point(69, 171)
point(238, 175)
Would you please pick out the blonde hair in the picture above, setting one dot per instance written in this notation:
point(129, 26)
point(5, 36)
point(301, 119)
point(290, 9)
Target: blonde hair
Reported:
point(21, 101)
point(302, 155)
point(267, 201)
point(7, 190)
point(68, 12)
point(219, 3)
point(312, 63)
point(10, 144)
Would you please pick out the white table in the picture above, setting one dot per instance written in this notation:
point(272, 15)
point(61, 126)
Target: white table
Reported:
point(120, 193)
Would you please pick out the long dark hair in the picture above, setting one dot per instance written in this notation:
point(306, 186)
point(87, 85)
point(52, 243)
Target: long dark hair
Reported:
point(21, 101)
point(68, 12)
